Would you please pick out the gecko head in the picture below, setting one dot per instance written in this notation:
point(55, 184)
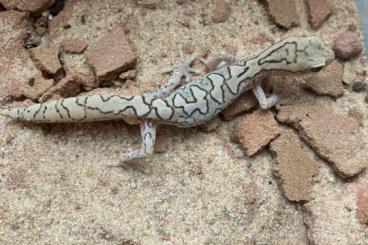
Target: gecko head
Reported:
point(313, 54)
point(297, 55)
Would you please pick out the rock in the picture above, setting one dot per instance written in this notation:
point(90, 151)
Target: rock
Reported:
point(46, 57)
point(255, 131)
point(358, 86)
point(294, 166)
point(335, 137)
point(283, 13)
point(37, 86)
point(67, 87)
point(128, 75)
point(110, 55)
point(222, 11)
point(13, 29)
point(319, 11)
point(244, 103)
point(362, 203)
point(328, 81)
point(31, 41)
point(74, 45)
point(149, 4)
point(16, 67)
point(347, 45)
point(76, 65)
point(35, 7)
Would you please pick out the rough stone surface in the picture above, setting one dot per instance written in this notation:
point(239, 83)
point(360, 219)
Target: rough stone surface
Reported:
point(46, 57)
point(319, 11)
point(16, 67)
point(328, 81)
point(111, 55)
point(294, 166)
point(255, 131)
point(335, 137)
point(36, 7)
point(242, 104)
point(347, 45)
point(221, 12)
point(283, 12)
point(67, 87)
point(37, 86)
point(74, 45)
point(362, 203)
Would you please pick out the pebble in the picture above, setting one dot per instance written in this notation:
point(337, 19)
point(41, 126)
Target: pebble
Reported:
point(358, 86)
point(347, 45)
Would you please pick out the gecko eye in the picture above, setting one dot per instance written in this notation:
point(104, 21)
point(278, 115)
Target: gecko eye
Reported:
point(316, 69)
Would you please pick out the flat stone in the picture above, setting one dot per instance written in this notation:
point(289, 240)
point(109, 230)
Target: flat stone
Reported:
point(328, 81)
point(255, 131)
point(243, 103)
point(74, 45)
point(221, 12)
point(46, 58)
point(294, 166)
point(37, 86)
point(283, 13)
point(16, 67)
point(67, 87)
point(334, 137)
point(110, 55)
point(36, 7)
point(319, 11)
point(362, 203)
point(347, 45)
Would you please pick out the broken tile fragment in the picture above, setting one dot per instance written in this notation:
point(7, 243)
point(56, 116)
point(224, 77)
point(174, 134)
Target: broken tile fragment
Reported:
point(46, 57)
point(67, 87)
point(362, 203)
point(319, 11)
point(335, 137)
point(255, 131)
point(347, 45)
point(74, 45)
point(35, 7)
point(294, 166)
point(222, 11)
point(283, 12)
point(110, 55)
point(37, 86)
point(244, 103)
point(328, 81)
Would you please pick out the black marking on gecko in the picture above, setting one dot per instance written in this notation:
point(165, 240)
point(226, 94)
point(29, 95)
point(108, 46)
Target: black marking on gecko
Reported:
point(36, 112)
point(57, 110)
point(84, 107)
point(65, 108)
point(213, 88)
point(157, 109)
point(261, 62)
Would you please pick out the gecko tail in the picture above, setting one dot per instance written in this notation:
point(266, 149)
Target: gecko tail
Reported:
point(10, 112)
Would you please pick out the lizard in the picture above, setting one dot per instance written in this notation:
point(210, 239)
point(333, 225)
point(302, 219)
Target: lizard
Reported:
point(193, 103)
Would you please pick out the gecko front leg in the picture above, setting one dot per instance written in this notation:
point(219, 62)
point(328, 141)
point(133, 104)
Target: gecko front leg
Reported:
point(213, 63)
point(264, 101)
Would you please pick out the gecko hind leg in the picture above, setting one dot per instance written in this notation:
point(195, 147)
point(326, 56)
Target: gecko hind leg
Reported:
point(264, 101)
point(148, 134)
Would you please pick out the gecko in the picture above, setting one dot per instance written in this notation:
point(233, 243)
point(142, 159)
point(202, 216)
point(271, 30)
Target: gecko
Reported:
point(193, 103)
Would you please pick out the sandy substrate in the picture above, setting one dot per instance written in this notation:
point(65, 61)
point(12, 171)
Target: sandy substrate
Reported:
point(56, 188)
